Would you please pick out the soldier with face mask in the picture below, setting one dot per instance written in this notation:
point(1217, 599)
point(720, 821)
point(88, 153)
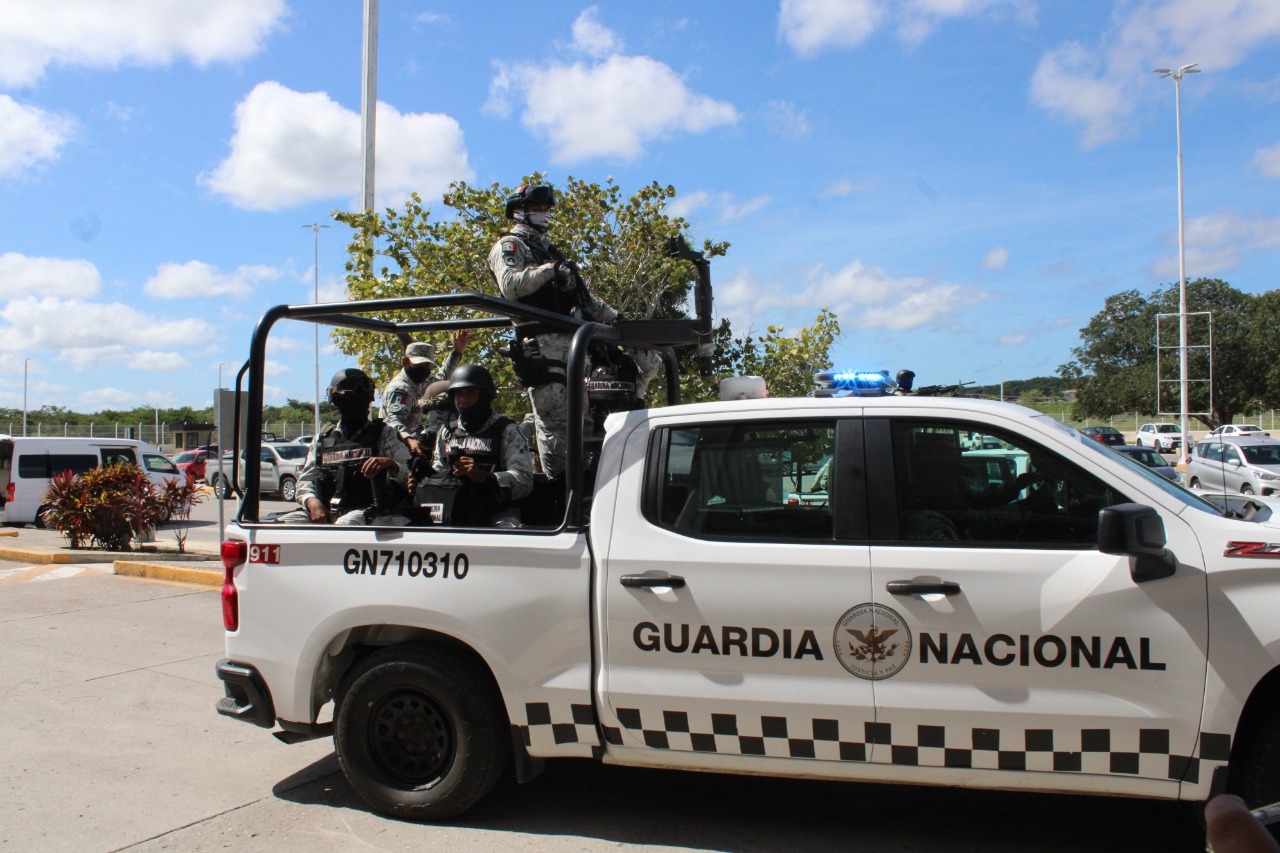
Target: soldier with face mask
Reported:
point(402, 397)
point(483, 453)
point(356, 469)
point(532, 271)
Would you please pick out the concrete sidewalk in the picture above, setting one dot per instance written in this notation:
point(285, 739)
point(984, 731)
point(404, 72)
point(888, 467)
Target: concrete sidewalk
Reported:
point(159, 559)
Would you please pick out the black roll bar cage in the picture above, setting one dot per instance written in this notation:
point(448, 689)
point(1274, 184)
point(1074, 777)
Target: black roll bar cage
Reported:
point(657, 335)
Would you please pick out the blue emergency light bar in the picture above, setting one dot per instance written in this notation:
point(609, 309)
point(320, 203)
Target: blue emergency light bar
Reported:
point(853, 383)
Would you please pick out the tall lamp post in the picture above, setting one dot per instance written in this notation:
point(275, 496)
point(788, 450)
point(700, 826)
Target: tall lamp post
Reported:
point(25, 362)
point(1176, 74)
point(315, 228)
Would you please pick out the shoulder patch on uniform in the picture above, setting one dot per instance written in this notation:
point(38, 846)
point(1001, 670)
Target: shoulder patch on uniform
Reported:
point(510, 250)
point(396, 401)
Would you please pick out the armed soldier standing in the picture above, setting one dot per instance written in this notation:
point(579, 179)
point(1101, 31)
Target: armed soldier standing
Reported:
point(402, 398)
point(357, 467)
point(530, 270)
point(484, 452)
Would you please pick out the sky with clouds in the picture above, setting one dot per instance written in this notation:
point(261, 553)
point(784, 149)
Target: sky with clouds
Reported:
point(963, 182)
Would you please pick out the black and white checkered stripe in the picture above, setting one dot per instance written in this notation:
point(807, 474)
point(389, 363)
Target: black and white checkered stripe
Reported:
point(1134, 752)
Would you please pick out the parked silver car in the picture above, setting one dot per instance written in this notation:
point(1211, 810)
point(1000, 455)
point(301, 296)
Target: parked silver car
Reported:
point(1247, 465)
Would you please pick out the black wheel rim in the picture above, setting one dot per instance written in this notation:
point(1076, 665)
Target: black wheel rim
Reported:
point(410, 737)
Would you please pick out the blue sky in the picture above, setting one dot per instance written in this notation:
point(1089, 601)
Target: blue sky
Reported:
point(963, 181)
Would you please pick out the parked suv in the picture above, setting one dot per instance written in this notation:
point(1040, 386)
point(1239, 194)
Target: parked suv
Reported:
point(1247, 465)
point(1163, 437)
point(281, 463)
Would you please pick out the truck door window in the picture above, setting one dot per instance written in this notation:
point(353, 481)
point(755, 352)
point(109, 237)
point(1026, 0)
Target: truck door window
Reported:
point(745, 481)
point(1019, 495)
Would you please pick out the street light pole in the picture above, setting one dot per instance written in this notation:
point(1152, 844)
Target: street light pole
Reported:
point(25, 362)
point(1177, 74)
point(315, 228)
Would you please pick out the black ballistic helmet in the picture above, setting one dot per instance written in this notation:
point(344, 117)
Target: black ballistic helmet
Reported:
point(526, 196)
point(350, 379)
point(473, 376)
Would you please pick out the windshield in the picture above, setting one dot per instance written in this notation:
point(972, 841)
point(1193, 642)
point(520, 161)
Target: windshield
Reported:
point(290, 451)
point(189, 456)
point(1262, 454)
point(1166, 428)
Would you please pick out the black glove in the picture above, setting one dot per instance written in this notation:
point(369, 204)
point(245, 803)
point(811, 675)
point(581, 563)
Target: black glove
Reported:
point(565, 279)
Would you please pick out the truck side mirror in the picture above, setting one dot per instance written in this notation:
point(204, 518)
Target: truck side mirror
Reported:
point(1137, 532)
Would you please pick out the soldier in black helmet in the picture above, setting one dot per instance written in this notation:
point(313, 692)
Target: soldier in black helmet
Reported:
point(356, 469)
point(530, 270)
point(483, 453)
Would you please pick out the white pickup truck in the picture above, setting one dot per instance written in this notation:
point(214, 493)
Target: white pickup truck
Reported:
point(1054, 618)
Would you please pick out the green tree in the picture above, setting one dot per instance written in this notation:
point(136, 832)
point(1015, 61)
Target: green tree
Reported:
point(619, 241)
point(1115, 366)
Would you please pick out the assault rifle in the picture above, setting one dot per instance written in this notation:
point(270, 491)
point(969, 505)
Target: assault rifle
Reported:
point(940, 390)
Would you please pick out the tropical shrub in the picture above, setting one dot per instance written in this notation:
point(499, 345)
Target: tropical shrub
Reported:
point(108, 507)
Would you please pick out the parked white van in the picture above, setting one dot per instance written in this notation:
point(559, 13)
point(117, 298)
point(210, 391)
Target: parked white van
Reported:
point(27, 466)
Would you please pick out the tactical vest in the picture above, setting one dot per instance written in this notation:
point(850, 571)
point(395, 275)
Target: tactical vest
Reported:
point(548, 297)
point(339, 458)
point(476, 502)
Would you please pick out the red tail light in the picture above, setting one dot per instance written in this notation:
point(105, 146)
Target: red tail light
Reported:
point(234, 553)
point(9, 493)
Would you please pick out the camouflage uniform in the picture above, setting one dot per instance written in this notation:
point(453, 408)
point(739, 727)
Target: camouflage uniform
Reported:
point(389, 444)
point(402, 398)
point(523, 263)
point(514, 471)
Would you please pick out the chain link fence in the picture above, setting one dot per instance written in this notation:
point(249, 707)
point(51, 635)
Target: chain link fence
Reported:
point(150, 433)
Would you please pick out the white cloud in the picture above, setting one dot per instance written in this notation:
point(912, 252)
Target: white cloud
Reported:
point(23, 276)
point(862, 295)
point(1067, 81)
point(196, 279)
point(108, 398)
point(811, 26)
point(90, 334)
point(1267, 161)
point(866, 297)
point(841, 188)
point(593, 38)
point(785, 119)
point(1216, 242)
point(610, 106)
point(1012, 339)
point(726, 206)
point(94, 34)
point(996, 259)
point(29, 136)
point(1096, 88)
point(294, 147)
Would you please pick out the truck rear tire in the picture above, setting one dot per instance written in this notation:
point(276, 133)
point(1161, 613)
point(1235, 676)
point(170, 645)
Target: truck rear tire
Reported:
point(420, 733)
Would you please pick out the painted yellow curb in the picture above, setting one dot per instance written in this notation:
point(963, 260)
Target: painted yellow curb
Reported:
point(168, 572)
point(20, 555)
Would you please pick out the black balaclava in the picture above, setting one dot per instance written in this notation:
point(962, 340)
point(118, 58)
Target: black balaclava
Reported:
point(418, 373)
point(474, 418)
point(353, 409)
